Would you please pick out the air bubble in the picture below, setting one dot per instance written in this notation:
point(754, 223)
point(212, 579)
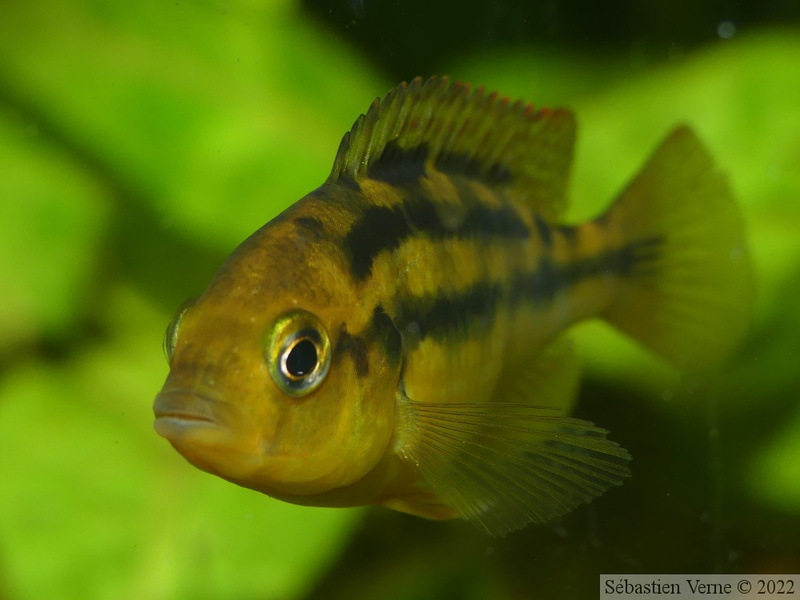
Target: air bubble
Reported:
point(726, 29)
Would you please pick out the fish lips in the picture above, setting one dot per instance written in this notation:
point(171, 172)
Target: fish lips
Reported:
point(184, 415)
point(209, 432)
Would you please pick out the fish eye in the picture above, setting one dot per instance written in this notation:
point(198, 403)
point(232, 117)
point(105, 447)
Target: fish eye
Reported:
point(298, 353)
point(171, 336)
point(301, 359)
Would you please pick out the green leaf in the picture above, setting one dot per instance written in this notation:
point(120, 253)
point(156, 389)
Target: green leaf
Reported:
point(773, 476)
point(53, 214)
point(215, 117)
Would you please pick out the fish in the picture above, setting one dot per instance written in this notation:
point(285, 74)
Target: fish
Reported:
point(399, 336)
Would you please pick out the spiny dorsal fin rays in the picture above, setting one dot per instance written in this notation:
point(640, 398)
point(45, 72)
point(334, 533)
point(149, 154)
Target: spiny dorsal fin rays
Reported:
point(509, 145)
point(504, 465)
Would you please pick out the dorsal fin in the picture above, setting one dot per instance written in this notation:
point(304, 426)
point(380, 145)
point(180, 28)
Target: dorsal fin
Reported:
point(463, 130)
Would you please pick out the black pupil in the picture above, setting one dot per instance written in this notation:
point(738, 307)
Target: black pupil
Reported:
point(302, 358)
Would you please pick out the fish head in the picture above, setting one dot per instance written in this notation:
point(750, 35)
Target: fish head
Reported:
point(278, 380)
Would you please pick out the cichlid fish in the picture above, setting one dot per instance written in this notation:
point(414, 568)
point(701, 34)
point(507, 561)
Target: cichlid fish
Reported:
point(395, 337)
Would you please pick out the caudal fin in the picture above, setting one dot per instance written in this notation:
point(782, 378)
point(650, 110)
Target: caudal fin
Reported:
point(687, 290)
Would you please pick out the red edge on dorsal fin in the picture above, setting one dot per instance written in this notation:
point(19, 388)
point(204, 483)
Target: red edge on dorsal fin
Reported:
point(492, 135)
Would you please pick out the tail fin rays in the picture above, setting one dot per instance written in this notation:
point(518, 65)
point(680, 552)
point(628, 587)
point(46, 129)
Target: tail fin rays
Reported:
point(690, 300)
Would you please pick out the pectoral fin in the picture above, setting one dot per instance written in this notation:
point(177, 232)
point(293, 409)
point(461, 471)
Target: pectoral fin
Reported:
point(505, 465)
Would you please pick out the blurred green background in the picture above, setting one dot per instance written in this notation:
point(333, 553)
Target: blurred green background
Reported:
point(141, 142)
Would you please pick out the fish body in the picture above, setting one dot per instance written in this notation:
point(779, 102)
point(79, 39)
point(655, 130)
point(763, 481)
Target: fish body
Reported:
point(396, 336)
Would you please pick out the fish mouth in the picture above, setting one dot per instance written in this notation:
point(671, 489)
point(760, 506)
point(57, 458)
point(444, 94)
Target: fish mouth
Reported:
point(182, 413)
point(210, 432)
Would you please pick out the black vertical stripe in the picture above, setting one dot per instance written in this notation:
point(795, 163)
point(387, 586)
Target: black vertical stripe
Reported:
point(356, 348)
point(378, 230)
point(383, 330)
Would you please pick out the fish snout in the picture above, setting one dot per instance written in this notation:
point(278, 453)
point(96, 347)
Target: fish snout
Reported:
point(181, 412)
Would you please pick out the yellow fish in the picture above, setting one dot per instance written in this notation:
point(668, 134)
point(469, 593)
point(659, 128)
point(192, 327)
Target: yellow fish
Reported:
point(395, 337)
